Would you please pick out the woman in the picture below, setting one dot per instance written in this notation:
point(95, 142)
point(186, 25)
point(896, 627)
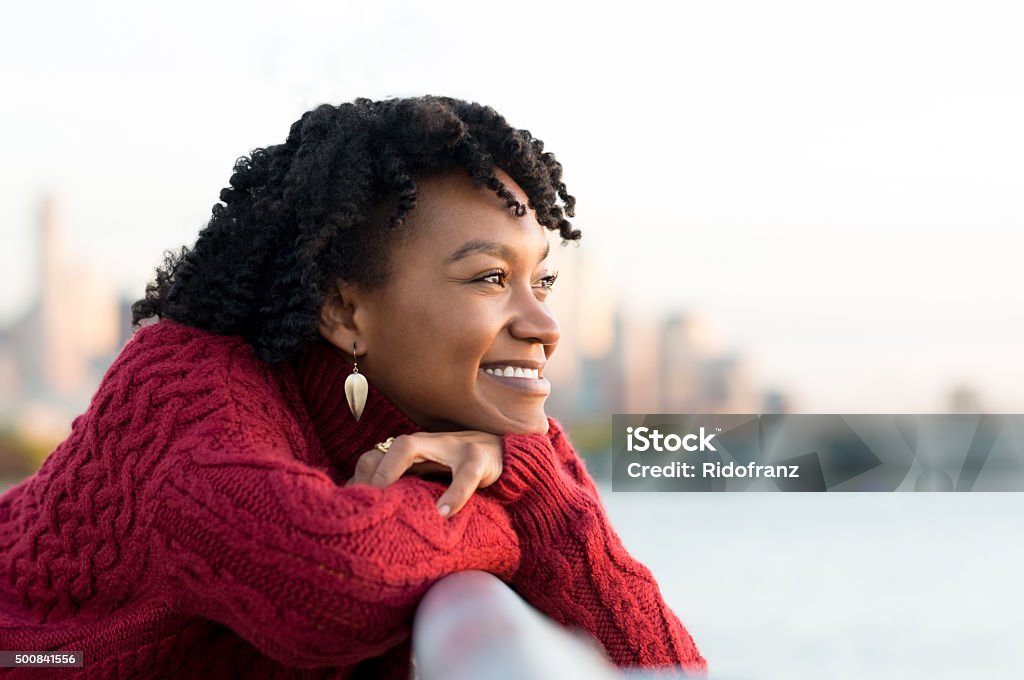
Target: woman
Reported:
point(230, 503)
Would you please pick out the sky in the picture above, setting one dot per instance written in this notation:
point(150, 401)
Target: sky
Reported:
point(838, 185)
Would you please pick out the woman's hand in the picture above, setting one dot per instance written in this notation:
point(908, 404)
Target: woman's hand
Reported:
point(474, 459)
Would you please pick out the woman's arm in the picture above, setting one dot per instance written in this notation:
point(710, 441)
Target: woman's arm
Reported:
point(311, 573)
point(574, 567)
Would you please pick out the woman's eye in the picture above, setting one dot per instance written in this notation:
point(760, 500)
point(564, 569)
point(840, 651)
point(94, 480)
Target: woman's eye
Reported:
point(495, 277)
point(548, 281)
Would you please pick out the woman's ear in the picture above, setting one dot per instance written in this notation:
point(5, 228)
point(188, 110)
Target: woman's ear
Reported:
point(339, 320)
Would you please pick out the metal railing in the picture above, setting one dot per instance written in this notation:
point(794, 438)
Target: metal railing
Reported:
point(471, 626)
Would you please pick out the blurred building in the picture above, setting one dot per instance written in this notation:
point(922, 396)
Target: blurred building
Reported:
point(965, 399)
point(775, 401)
point(614, 358)
point(52, 358)
point(698, 375)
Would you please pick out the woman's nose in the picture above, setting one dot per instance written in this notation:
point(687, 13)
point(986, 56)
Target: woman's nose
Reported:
point(534, 321)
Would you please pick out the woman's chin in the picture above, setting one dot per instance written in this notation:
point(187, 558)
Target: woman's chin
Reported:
point(504, 425)
point(532, 425)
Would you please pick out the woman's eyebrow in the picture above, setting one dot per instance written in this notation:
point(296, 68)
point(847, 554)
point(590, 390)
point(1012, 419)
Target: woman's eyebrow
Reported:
point(494, 248)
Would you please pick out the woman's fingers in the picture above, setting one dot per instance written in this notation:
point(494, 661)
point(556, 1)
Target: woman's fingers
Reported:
point(429, 468)
point(474, 459)
point(465, 481)
point(366, 466)
point(401, 456)
point(376, 468)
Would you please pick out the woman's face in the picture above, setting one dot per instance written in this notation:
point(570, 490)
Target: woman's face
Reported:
point(464, 308)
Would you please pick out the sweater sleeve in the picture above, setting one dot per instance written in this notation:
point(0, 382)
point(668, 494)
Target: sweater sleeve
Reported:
point(574, 567)
point(310, 572)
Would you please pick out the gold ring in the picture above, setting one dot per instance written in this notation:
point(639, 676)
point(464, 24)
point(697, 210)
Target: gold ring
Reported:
point(384, 445)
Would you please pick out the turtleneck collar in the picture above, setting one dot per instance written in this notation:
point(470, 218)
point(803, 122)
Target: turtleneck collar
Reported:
point(321, 370)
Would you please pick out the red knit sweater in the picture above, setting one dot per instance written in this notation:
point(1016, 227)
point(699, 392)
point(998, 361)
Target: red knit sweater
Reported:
point(196, 524)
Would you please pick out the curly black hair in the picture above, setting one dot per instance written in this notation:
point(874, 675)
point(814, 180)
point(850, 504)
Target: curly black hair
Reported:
point(300, 215)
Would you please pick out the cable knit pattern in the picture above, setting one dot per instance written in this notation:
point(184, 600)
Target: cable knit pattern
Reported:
point(195, 524)
point(578, 572)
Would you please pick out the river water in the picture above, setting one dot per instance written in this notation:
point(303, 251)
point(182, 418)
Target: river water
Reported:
point(789, 586)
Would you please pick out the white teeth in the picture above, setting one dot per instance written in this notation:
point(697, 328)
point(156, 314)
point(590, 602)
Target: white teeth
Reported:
point(514, 372)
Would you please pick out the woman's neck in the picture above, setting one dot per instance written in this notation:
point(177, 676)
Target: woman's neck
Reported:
point(321, 370)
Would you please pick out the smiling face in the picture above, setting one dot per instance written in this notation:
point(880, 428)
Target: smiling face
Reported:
point(459, 336)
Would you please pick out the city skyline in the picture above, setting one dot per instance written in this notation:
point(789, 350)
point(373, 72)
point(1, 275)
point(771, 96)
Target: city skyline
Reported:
point(612, 359)
point(838, 187)
point(53, 356)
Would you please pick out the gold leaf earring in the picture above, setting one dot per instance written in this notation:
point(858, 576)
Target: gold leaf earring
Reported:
point(356, 388)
